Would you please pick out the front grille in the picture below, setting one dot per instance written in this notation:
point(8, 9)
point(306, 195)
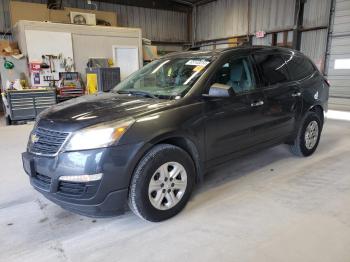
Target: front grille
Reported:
point(75, 189)
point(42, 181)
point(48, 142)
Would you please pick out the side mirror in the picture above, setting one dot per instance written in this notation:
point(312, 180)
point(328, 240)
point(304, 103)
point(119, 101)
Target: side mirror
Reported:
point(220, 90)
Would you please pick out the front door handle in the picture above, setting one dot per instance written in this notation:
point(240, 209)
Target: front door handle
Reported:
point(257, 103)
point(296, 94)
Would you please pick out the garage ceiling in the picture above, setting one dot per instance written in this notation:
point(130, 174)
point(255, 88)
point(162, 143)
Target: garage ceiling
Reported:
point(175, 5)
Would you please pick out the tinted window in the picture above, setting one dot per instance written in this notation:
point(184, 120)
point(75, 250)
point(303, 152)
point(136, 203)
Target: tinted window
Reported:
point(272, 67)
point(236, 73)
point(298, 66)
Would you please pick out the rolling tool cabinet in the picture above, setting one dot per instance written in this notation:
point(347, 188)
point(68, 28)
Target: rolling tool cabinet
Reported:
point(26, 104)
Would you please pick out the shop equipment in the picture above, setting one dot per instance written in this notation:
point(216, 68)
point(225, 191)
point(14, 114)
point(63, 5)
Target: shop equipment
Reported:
point(101, 79)
point(71, 86)
point(26, 104)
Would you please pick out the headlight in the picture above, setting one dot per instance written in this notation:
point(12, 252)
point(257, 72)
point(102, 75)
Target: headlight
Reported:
point(98, 136)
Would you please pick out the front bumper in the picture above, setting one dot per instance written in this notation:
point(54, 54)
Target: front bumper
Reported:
point(105, 197)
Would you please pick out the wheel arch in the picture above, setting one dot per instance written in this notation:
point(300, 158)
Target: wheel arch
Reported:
point(176, 139)
point(318, 109)
point(189, 147)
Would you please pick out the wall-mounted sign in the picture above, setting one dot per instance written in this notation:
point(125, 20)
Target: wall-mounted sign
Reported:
point(342, 64)
point(34, 66)
point(260, 34)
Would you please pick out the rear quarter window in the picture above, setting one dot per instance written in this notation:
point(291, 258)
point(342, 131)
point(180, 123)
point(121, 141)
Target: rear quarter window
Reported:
point(272, 67)
point(298, 67)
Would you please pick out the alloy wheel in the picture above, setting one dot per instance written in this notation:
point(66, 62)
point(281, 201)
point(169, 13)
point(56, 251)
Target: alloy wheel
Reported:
point(167, 186)
point(311, 135)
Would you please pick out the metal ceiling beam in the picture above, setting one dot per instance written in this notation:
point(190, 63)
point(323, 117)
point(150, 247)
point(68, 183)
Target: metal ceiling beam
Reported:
point(154, 4)
point(203, 2)
point(184, 2)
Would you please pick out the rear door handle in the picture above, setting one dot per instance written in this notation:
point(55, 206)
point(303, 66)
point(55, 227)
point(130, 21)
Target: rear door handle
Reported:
point(257, 103)
point(296, 94)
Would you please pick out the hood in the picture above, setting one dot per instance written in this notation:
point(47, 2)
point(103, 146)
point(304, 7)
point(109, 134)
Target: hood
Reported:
point(93, 109)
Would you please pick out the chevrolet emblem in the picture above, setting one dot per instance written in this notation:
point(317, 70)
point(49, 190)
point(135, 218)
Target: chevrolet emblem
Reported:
point(34, 138)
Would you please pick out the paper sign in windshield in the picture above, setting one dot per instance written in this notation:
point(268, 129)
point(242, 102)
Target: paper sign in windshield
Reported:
point(197, 62)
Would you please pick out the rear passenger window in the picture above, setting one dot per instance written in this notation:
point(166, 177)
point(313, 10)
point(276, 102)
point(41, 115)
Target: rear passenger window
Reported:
point(298, 67)
point(272, 67)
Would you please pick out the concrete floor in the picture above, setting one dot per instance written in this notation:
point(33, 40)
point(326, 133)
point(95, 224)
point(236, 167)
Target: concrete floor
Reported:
point(269, 206)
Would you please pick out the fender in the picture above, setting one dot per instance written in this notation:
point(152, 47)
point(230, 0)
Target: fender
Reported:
point(181, 139)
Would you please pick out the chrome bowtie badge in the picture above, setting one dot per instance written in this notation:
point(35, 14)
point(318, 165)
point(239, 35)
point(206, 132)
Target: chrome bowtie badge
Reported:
point(34, 138)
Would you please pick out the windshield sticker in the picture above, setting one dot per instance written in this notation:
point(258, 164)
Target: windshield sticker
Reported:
point(198, 68)
point(197, 62)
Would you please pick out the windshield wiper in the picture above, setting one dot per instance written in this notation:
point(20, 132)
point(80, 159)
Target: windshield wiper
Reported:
point(137, 93)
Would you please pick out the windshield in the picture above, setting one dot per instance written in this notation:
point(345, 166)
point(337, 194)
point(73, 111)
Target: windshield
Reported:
point(165, 78)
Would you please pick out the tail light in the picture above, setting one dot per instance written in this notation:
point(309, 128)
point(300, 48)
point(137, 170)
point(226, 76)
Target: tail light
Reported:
point(327, 82)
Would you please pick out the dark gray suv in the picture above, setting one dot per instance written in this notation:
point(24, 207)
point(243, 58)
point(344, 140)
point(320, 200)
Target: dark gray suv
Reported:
point(150, 140)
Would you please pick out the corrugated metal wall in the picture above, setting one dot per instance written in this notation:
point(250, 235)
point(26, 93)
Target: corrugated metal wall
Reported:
point(267, 40)
point(4, 16)
point(316, 13)
point(313, 44)
point(225, 18)
point(271, 15)
point(340, 52)
point(157, 25)
point(222, 18)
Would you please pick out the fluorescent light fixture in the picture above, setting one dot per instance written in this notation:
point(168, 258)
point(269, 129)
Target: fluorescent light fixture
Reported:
point(82, 178)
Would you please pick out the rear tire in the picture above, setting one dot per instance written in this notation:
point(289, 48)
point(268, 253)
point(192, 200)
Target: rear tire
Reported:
point(162, 183)
point(308, 136)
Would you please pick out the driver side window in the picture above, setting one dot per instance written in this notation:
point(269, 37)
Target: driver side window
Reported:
point(238, 74)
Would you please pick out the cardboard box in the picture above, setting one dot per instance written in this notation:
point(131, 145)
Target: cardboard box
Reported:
point(150, 52)
point(8, 48)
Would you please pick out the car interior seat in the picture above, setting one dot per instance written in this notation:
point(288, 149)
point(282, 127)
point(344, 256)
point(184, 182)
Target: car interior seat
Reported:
point(240, 79)
point(236, 75)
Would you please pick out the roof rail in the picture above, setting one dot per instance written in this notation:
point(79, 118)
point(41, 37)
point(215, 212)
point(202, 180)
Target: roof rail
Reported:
point(197, 47)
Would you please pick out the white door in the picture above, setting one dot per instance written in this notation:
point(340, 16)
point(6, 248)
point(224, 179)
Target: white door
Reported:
point(127, 58)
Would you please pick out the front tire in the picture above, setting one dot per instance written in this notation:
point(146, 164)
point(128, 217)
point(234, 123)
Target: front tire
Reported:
point(308, 135)
point(162, 183)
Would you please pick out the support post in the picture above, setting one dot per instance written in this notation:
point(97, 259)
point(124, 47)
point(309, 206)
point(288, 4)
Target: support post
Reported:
point(298, 23)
